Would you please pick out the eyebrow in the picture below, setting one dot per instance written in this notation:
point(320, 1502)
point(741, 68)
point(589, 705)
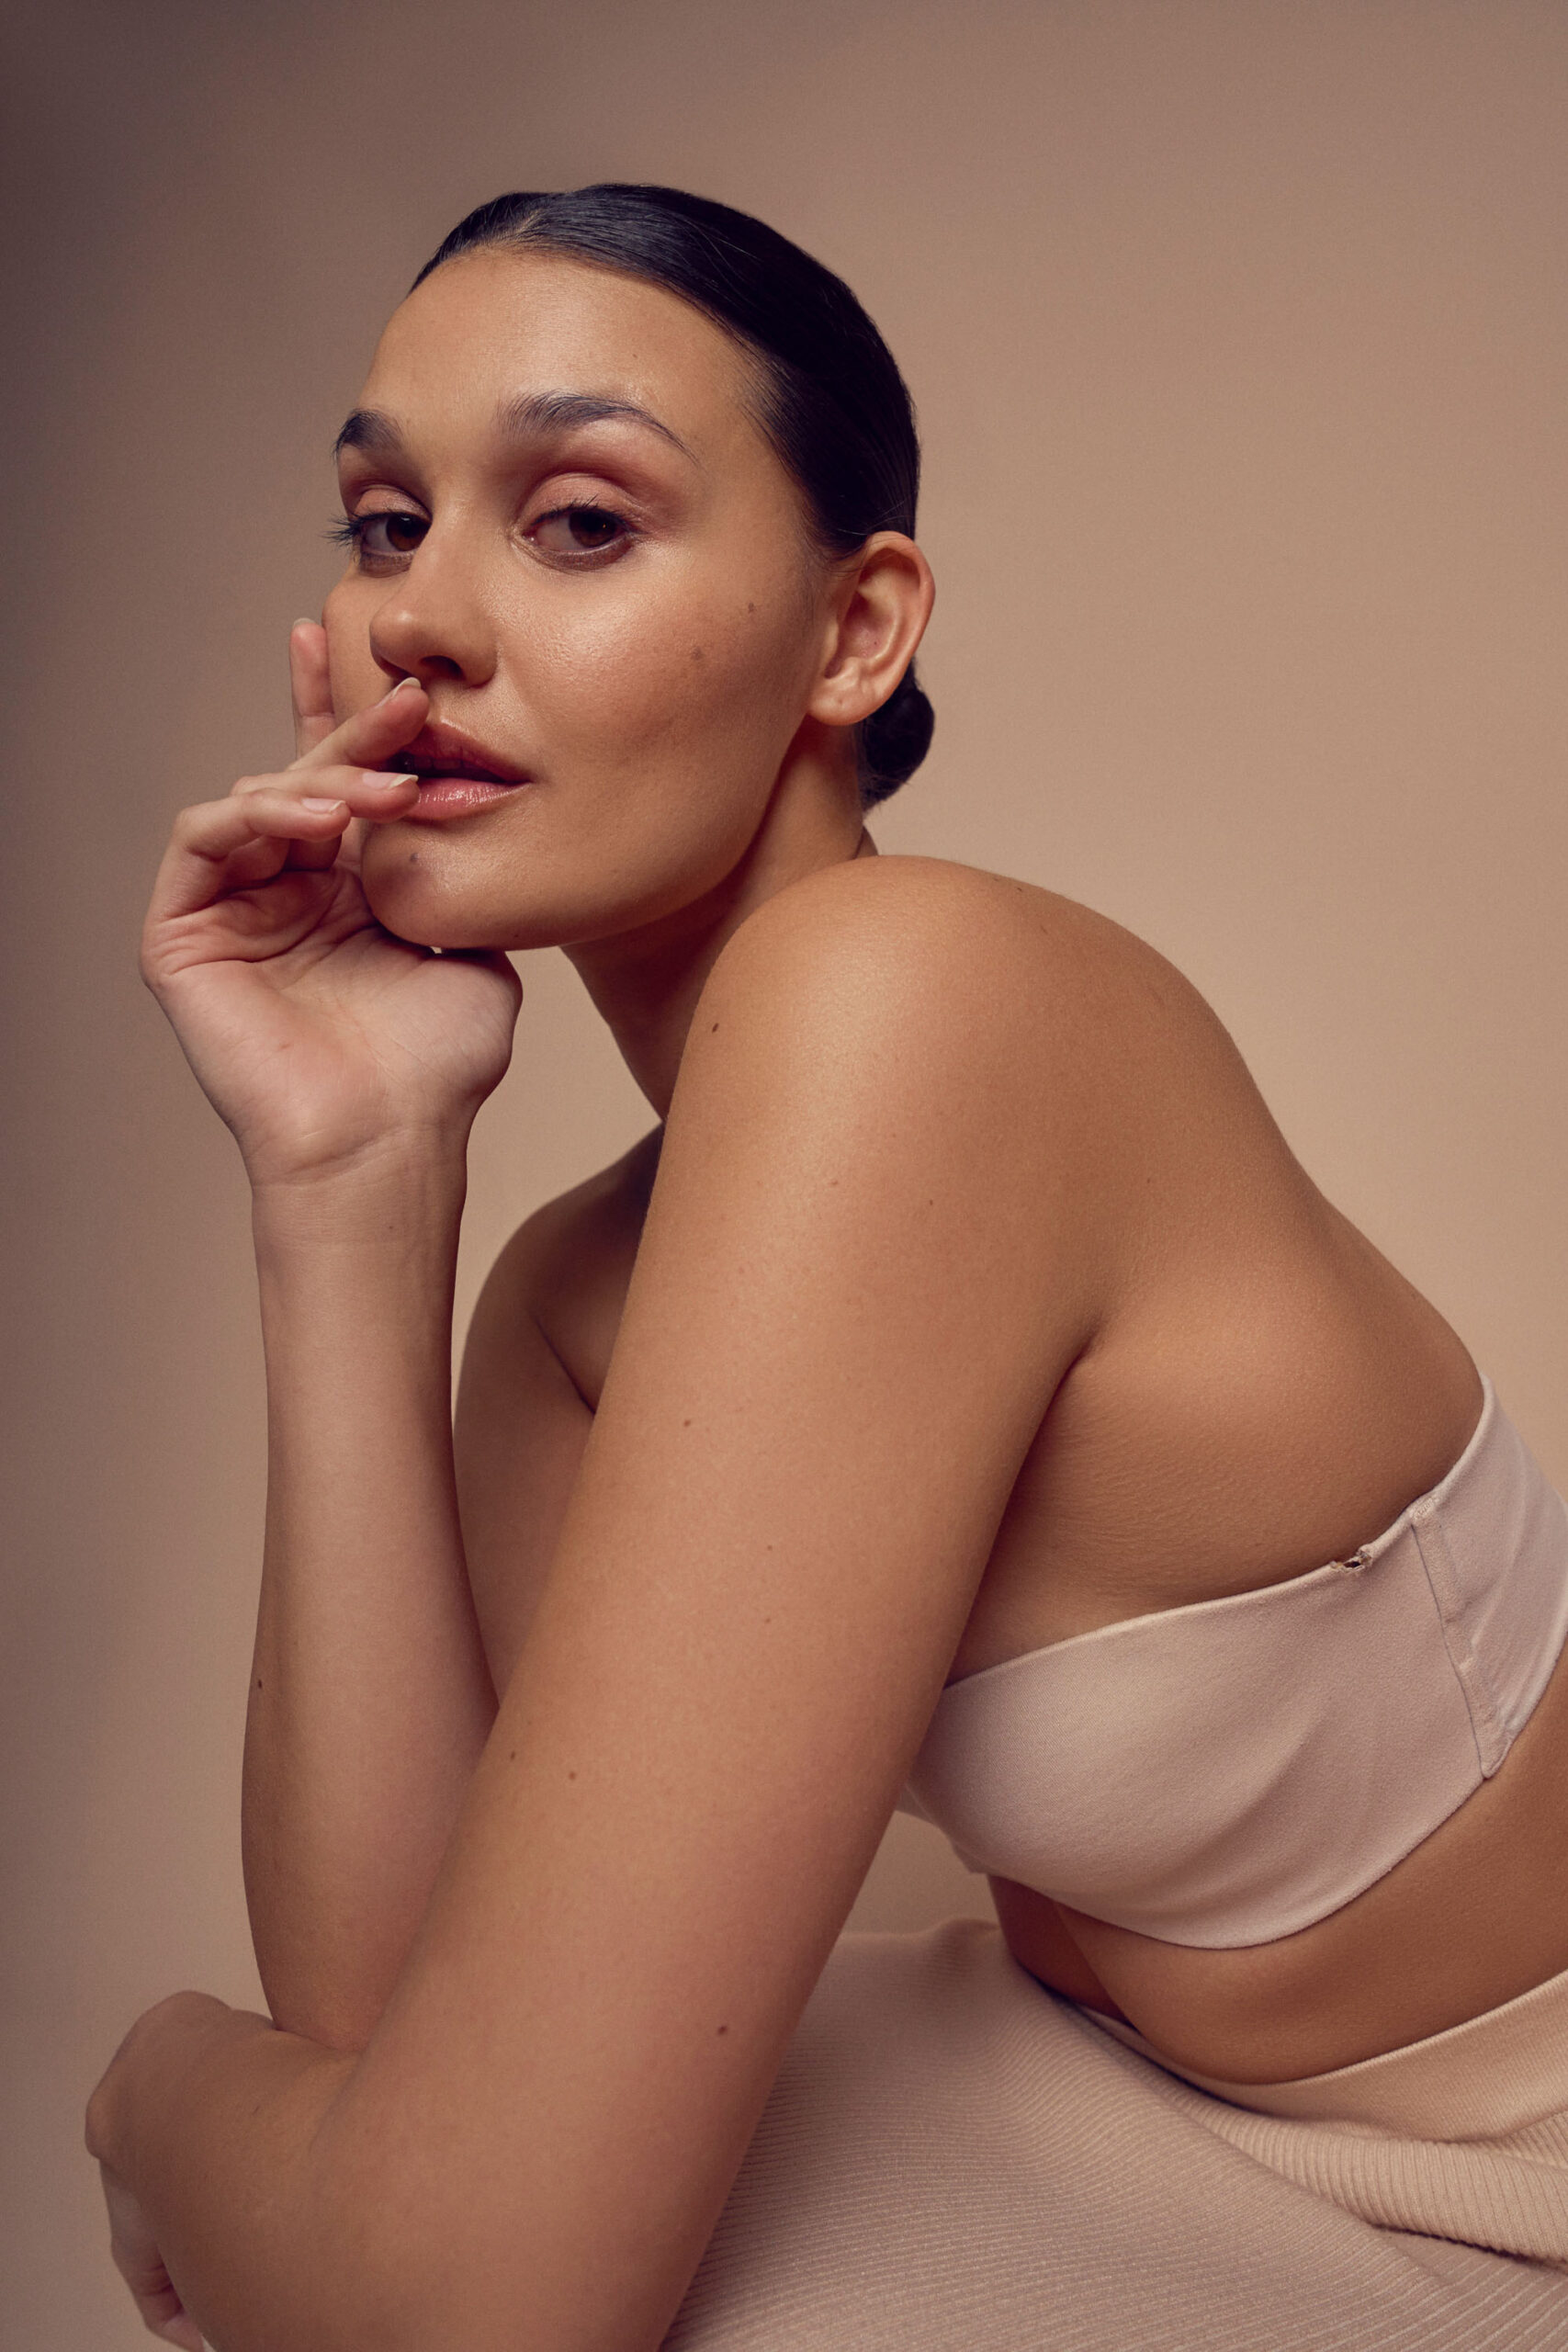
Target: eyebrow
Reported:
point(560, 412)
point(526, 413)
point(369, 429)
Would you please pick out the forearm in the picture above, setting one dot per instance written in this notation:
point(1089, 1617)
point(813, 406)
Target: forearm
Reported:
point(209, 2119)
point(283, 2223)
point(370, 1700)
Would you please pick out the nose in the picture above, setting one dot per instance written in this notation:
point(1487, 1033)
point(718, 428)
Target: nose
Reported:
point(434, 625)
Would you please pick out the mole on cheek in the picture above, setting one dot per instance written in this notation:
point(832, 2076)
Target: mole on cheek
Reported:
point(697, 652)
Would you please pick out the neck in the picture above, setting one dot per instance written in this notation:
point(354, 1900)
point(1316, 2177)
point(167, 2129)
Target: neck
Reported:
point(645, 984)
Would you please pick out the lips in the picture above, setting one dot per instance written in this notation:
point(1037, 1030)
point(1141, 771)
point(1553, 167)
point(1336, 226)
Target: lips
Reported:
point(457, 774)
point(442, 751)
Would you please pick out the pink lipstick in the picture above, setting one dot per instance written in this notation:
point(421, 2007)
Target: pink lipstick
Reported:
point(455, 796)
point(457, 774)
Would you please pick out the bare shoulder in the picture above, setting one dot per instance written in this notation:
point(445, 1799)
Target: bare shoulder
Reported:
point(939, 969)
point(935, 924)
point(934, 897)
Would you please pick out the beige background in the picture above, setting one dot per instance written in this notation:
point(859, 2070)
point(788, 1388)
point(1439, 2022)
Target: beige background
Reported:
point(1238, 338)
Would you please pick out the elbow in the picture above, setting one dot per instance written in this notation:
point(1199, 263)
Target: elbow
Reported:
point(337, 2009)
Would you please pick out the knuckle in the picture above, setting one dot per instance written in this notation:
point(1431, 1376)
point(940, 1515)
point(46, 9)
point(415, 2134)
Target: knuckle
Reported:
point(192, 823)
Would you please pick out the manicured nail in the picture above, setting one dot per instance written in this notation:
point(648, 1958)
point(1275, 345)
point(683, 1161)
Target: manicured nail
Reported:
point(320, 807)
point(380, 783)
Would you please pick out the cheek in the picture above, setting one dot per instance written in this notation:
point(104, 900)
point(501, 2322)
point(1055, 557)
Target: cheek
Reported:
point(657, 680)
point(656, 718)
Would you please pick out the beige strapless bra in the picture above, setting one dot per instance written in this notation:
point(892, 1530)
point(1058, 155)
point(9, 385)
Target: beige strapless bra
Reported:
point(1226, 1773)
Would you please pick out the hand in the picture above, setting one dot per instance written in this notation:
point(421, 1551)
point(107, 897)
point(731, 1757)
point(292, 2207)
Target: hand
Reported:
point(315, 1034)
point(162, 2035)
point(136, 2257)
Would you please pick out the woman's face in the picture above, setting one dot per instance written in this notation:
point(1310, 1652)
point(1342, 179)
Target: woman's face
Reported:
point(569, 529)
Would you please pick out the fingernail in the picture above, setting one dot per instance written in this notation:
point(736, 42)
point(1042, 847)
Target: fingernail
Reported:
point(320, 807)
point(380, 783)
point(401, 687)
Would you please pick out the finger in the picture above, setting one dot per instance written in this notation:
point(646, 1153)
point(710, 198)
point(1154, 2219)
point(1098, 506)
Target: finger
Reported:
point(369, 798)
point(169, 2318)
point(183, 2330)
point(312, 857)
point(373, 734)
point(211, 843)
point(134, 2252)
point(372, 798)
point(312, 685)
point(364, 791)
point(157, 2299)
point(162, 2313)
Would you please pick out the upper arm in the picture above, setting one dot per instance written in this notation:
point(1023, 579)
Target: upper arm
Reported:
point(860, 1283)
point(542, 1328)
point(518, 1435)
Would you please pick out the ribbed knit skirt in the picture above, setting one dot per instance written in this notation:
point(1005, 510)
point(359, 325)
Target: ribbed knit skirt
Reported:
point(954, 2157)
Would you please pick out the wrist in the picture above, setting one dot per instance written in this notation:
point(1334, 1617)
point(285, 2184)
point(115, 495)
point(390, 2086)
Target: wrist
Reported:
point(413, 1184)
point(361, 1266)
point(438, 1145)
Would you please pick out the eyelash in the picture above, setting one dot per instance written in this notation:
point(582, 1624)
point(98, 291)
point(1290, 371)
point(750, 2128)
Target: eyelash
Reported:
point(351, 531)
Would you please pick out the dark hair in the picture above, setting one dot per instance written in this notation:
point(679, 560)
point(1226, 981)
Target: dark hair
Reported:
point(832, 401)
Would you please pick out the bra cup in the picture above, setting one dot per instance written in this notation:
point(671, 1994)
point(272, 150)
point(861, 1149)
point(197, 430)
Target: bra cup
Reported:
point(1226, 1773)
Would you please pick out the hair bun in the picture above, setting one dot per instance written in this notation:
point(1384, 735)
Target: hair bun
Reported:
point(895, 739)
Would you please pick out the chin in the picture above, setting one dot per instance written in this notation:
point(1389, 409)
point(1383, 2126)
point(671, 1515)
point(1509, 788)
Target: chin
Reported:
point(435, 889)
point(421, 893)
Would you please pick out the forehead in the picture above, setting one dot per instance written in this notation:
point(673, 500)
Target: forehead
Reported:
point(495, 326)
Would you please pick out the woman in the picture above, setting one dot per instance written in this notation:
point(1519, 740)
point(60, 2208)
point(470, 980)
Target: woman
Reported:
point(961, 1387)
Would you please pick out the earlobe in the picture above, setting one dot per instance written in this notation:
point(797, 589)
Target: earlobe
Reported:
point(883, 603)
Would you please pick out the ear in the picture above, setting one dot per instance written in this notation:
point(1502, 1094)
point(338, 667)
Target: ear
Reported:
point(882, 601)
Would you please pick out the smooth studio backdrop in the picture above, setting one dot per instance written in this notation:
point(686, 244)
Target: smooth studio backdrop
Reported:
point(1238, 336)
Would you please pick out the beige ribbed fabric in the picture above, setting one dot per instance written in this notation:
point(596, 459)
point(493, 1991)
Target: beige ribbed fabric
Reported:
point(953, 2157)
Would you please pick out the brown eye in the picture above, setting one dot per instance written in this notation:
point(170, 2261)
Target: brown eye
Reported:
point(388, 535)
point(579, 531)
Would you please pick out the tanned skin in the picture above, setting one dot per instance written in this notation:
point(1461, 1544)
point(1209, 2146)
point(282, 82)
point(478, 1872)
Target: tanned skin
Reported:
point(962, 1297)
